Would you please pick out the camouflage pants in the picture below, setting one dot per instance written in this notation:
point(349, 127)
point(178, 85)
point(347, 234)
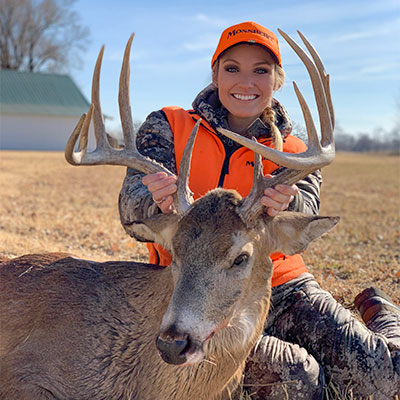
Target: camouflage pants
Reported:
point(310, 340)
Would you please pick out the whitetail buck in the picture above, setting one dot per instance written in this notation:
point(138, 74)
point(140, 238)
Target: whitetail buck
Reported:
point(77, 329)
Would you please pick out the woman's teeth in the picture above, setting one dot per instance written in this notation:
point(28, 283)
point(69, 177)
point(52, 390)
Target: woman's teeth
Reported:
point(244, 96)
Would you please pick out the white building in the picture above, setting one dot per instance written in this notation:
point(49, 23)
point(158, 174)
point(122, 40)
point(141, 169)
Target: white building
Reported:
point(38, 111)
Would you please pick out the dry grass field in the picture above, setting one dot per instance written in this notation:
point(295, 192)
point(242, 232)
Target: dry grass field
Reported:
point(48, 205)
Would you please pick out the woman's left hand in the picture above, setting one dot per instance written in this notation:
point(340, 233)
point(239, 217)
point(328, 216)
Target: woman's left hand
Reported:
point(278, 198)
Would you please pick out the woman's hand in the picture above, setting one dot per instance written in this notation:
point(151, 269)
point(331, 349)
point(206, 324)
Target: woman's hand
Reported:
point(278, 198)
point(162, 187)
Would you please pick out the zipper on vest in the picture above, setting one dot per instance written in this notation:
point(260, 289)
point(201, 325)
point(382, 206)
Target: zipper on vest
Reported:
point(230, 148)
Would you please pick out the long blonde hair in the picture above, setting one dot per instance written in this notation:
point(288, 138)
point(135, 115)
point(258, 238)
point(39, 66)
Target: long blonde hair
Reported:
point(268, 117)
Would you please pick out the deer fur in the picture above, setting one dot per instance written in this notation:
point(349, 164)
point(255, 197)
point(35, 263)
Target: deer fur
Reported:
point(84, 330)
point(78, 329)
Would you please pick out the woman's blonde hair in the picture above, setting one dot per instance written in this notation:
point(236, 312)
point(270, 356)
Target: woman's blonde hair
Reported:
point(268, 115)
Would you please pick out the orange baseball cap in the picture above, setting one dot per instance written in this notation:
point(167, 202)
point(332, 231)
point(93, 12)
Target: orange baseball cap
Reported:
point(248, 32)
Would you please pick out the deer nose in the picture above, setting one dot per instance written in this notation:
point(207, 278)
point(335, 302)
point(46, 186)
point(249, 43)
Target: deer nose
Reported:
point(173, 347)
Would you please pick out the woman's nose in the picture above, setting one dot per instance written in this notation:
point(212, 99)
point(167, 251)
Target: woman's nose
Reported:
point(246, 81)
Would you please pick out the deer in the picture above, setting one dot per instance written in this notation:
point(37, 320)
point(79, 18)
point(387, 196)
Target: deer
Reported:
point(77, 329)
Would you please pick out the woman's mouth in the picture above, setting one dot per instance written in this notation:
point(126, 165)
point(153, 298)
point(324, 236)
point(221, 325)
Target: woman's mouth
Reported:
point(244, 97)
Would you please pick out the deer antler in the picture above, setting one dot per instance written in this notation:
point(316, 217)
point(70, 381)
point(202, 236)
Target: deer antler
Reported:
point(299, 165)
point(129, 156)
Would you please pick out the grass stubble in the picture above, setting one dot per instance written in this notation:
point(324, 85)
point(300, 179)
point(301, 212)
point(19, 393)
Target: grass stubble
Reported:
point(49, 206)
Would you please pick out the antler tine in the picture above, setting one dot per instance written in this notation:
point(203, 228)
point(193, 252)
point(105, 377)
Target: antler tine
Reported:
point(69, 154)
point(98, 121)
point(324, 76)
point(251, 205)
point(316, 156)
point(104, 153)
point(317, 79)
point(124, 99)
point(82, 129)
point(129, 156)
point(183, 197)
point(84, 137)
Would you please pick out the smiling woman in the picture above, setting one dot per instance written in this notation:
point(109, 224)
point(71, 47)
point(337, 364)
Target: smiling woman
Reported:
point(245, 78)
point(309, 338)
point(246, 70)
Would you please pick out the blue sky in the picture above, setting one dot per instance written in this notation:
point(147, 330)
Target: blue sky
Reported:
point(358, 41)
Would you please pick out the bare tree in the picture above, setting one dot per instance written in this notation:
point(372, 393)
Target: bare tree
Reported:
point(38, 35)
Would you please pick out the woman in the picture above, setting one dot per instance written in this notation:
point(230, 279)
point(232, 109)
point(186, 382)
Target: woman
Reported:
point(309, 338)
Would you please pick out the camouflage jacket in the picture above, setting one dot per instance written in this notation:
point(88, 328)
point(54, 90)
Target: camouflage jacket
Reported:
point(155, 140)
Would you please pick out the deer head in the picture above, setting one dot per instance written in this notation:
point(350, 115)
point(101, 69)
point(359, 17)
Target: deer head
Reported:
point(221, 242)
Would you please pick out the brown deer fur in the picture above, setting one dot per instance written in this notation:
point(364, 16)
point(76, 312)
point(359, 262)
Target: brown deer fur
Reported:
point(83, 330)
point(78, 329)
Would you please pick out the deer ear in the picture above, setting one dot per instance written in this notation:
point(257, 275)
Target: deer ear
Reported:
point(291, 233)
point(159, 228)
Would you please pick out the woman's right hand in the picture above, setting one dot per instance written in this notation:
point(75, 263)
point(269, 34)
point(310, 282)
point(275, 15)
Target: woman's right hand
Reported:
point(162, 187)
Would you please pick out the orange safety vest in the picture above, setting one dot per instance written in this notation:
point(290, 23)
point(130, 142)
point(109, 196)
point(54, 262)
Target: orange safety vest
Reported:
point(208, 160)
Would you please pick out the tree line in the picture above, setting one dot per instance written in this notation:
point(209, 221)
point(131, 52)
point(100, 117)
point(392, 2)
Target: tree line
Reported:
point(365, 142)
point(379, 140)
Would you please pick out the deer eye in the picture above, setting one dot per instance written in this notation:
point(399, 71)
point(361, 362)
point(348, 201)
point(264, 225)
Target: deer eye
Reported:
point(241, 260)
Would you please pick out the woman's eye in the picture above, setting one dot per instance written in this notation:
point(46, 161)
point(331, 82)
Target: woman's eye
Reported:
point(241, 260)
point(231, 69)
point(262, 71)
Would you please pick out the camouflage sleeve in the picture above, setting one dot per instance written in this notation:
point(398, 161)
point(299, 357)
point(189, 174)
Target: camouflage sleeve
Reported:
point(307, 200)
point(154, 140)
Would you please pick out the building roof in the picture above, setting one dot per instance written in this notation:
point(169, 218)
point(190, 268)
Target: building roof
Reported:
point(40, 93)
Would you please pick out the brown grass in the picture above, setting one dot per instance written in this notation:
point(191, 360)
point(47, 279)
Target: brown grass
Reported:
point(364, 248)
point(47, 205)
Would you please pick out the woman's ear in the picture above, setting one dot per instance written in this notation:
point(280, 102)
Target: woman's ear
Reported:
point(215, 74)
point(279, 77)
point(277, 82)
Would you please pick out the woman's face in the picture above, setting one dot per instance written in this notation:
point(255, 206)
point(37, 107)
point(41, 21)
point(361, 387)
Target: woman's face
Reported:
point(245, 79)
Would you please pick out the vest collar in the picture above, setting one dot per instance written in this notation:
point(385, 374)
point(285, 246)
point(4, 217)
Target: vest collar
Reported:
point(207, 106)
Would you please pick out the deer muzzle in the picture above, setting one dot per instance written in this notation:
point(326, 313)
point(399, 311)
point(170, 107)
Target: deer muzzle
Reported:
point(178, 348)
